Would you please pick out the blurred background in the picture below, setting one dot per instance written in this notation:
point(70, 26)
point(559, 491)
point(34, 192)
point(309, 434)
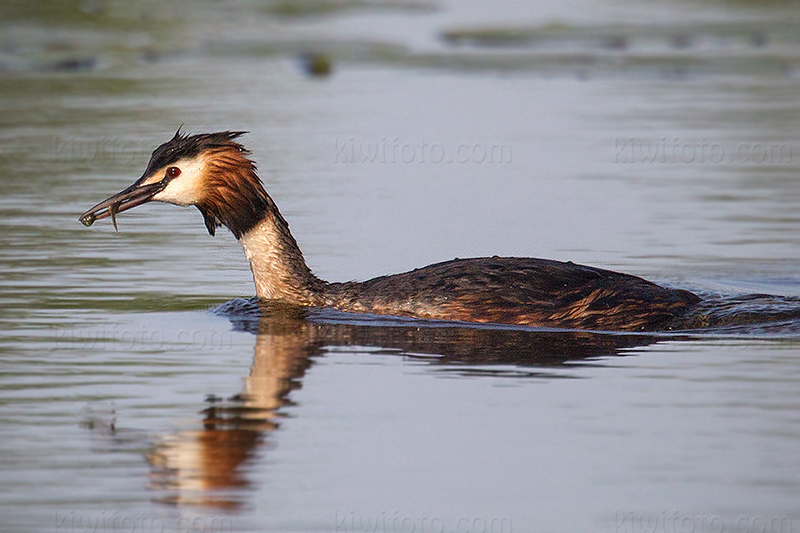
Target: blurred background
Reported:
point(657, 138)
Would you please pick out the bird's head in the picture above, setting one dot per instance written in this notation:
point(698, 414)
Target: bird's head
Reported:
point(210, 171)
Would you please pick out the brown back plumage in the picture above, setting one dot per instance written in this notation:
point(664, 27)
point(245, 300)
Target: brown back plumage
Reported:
point(520, 290)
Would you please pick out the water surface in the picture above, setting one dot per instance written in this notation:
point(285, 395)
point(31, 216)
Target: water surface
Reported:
point(628, 136)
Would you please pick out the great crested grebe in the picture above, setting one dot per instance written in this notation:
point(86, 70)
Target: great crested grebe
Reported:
point(214, 173)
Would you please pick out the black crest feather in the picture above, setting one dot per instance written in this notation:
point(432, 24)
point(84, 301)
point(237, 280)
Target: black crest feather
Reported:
point(183, 146)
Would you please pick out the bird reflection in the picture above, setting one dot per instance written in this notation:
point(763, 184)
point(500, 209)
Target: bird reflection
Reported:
point(207, 467)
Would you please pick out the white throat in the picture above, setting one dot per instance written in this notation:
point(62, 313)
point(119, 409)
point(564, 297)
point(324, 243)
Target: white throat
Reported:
point(263, 249)
point(279, 270)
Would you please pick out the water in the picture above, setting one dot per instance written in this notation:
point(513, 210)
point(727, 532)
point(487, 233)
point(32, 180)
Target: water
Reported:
point(658, 140)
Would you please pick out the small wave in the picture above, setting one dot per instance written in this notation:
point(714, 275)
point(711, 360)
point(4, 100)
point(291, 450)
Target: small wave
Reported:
point(752, 314)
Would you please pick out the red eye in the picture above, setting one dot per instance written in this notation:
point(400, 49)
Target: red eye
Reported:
point(173, 172)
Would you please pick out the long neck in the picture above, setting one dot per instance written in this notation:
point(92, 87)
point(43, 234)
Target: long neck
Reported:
point(235, 197)
point(279, 269)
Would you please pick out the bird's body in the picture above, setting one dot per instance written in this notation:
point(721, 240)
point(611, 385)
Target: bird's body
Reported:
point(518, 290)
point(213, 173)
